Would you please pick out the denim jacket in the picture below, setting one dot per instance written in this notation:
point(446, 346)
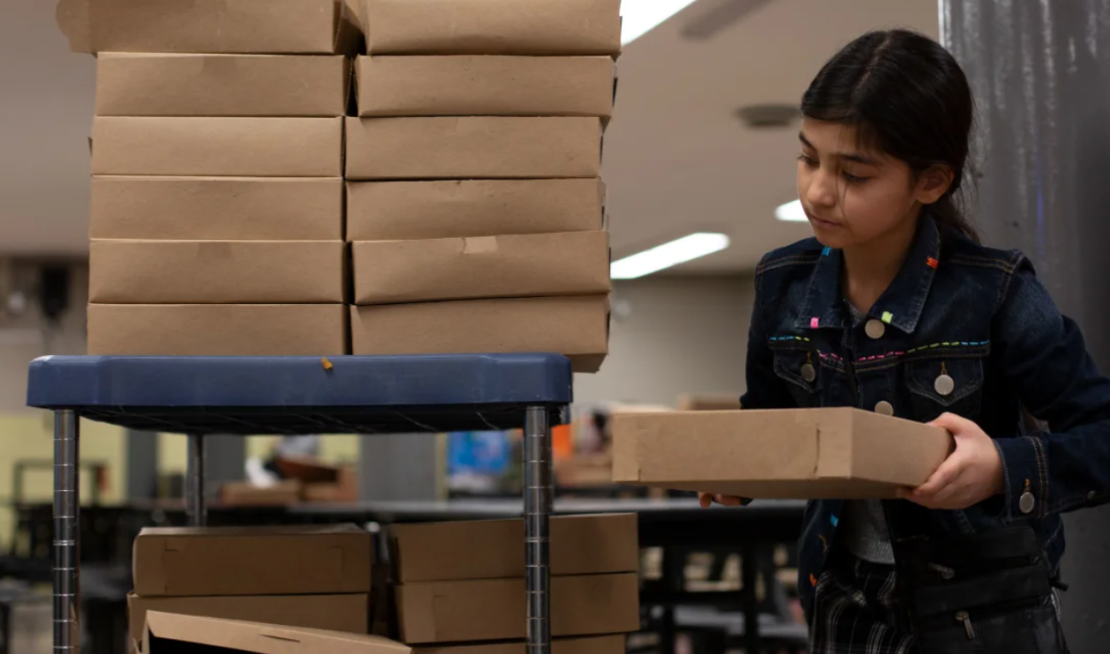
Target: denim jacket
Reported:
point(959, 309)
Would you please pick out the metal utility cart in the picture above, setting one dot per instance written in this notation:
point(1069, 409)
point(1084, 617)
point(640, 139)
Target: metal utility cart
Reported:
point(198, 396)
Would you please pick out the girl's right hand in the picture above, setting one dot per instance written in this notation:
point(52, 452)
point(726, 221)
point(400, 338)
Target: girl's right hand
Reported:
point(707, 500)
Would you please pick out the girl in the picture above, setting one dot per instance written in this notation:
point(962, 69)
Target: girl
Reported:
point(896, 308)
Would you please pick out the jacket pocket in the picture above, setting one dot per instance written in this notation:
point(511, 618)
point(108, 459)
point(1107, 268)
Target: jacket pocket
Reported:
point(939, 385)
point(801, 370)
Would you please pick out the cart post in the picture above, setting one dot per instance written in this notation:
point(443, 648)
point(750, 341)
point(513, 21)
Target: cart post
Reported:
point(67, 533)
point(538, 500)
point(196, 507)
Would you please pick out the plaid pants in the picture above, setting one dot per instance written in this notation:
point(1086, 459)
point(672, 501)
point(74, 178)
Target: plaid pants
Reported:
point(855, 610)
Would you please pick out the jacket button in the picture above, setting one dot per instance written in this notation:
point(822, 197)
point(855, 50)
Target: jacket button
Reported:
point(1092, 496)
point(809, 373)
point(875, 329)
point(944, 385)
point(884, 408)
point(1027, 502)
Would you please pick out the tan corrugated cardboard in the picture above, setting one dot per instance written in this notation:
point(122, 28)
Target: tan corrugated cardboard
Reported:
point(380, 211)
point(525, 265)
point(219, 147)
point(169, 633)
point(577, 327)
point(218, 329)
point(288, 560)
point(602, 645)
point(244, 493)
point(131, 84)
point(798, 453)
point(538, 27)
point(217, 208)
point(209, 26)
point(216, 272)
point(498, 147)
point(490, 549)
point(344, 613)
point(469, 611)
point(477, 85)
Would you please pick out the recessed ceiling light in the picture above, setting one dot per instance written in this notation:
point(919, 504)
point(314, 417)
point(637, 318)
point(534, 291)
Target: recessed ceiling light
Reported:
point(641, 16)
point(668, 255)
point(791, 212)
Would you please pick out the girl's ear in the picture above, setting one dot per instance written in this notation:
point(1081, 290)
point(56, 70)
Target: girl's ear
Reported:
point(933, 183)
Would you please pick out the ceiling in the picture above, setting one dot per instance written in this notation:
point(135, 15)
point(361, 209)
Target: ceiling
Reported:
point(677, 159)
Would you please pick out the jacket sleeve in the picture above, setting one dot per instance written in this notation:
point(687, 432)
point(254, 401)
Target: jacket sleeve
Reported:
point(765, 389)
point(1044, 358)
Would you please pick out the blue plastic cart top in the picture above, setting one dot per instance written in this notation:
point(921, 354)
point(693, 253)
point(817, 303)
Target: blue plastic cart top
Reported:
point(303, 395)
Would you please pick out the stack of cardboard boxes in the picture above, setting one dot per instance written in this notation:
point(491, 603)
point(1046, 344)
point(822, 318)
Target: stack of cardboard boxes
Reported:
point(311, 577)
point(217, 201)
point(463, 583)
point(475, 205)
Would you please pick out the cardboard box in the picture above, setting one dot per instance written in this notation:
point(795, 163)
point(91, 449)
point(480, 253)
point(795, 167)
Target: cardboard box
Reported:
point(496, 147)
point(383, 211)
point(538, 27)
point(799, 453)
point(469, 611)
point(221, 85)
point(217, 208)
point(218, 329)
point(469, 85)
point(289, 560)
point(345, 613)
point(216, 272)
point(577, 327)
point(167, 633)
point(244, 493)
point(571, 263)
point(219, 147)
point(209, 26)
point(602, 645)
point(490, 549)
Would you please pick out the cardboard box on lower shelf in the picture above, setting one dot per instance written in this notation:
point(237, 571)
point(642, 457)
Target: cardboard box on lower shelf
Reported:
point(602, 645)
point(244, 493)
point(344, 613)
point(217, 329)
point(522, 265)
point(796, 453)
point(490, 549)
point(168, 633)
point(473, 611)
point(291, 560)
point(577, 327)
point(395, 211)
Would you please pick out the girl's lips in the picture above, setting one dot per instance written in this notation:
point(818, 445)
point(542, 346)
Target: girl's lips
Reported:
point(827, 224)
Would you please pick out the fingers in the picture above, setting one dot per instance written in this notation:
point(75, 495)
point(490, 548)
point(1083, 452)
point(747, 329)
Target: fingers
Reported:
point(705, 499)
point(728, 500)
point(953, 423)
point(943, 476)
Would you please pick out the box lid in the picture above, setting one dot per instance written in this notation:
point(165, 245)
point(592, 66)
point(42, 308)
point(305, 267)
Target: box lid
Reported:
point(257, 638)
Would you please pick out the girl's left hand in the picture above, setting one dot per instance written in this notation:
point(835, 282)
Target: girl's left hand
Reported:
point(971, 474)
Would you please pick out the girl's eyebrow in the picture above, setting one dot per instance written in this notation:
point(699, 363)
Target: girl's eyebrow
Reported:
point(846, 156)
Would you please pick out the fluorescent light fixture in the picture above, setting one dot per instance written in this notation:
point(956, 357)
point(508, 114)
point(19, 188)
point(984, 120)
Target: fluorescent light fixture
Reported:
point(642, 16)
point(668, 255)
point(791, 212)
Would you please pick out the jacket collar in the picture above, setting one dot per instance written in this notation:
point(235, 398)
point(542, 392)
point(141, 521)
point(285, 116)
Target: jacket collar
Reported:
point(902, 302)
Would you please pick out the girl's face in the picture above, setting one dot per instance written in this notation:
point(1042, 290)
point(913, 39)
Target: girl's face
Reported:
point(854, 195)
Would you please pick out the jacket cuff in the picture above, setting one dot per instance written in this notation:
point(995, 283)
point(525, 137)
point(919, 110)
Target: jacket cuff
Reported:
point(1025, 474)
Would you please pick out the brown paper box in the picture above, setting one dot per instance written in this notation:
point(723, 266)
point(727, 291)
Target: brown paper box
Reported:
point(345, 613)
point(289, 560)
point(497, 147)
point(490, 549)
point(602, 645)
point(799, 453)
point(218, 329)
point(469, 611)
point(577, 327)
point(469, 85)
point(216, 272)
point(382, 211)
point(217, 208)
point(220, 85)
point(218, 147)
point(244, 493)
point(209, 26)
point(572, 263)
point(168, 633)
point(538, 27)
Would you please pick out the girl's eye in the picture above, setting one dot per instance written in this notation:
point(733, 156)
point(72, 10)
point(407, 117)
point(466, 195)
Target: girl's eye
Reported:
point(807, 160)
point(853, 179)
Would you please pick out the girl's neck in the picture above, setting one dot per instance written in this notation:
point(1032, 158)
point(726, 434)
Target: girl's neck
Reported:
point(870, 268)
